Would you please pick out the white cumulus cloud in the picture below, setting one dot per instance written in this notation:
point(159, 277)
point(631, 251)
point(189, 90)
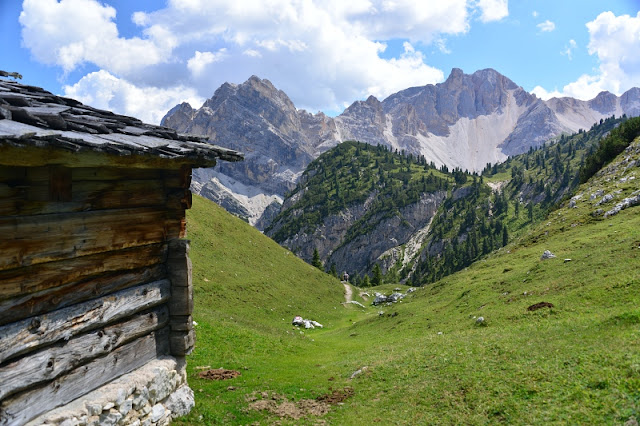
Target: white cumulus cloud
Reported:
point(200, 60)
point(615, 41)
point(540, 92)
point(546, 26)
point(322, 54)
point(493, 10)
point(103, 90)
point(569, 48)
point(72, 32)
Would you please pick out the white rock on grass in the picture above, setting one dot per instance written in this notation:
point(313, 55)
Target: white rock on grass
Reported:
point(547, 255)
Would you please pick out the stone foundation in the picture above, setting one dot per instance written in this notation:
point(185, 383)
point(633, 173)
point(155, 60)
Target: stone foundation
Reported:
point(151, 395)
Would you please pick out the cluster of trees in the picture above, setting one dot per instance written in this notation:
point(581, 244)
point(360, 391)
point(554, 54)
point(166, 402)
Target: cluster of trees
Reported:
point(467, 227)
point(349, 174)
point(610, 147)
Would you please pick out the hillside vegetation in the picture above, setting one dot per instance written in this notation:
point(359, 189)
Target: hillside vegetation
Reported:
point(349, 174)
point(524, 189)
point(427, 359)
point(350, 191)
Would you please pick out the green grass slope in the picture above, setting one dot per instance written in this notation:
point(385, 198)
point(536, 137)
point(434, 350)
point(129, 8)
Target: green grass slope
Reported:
point(427, 360)
point(247, 289)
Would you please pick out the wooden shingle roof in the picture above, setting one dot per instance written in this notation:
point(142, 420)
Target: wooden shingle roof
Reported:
point(32, 118)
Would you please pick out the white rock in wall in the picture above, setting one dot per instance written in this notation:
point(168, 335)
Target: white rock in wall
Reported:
point(157, 412)
point(180, 402)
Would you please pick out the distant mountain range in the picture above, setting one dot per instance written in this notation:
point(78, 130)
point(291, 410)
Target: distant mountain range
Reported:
point(465, 122)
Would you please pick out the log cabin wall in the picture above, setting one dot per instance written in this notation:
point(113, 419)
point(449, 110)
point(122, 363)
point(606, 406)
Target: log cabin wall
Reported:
point(94, 279)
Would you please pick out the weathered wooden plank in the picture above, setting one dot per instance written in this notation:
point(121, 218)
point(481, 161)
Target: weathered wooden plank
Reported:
point(59, 183)
point(34, 174)
point(28, 334)
point(179, 273)
point(50, 363)
point(113, 173)
point(182, 343)
point(46, 238)
point(27, 405)
point(24, 175)
point(181, 302)
point(119, 194)
point(32, 156)
point(22, 307)
point(179, 265)
point(44, 276)
point(179, 199)
point(84, 196)
point(181, 323)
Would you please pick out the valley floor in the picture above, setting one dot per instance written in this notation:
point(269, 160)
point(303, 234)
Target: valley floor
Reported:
point(424, 360)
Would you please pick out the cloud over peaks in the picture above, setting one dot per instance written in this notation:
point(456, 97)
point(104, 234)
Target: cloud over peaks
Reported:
point(615, 41)
point(323, 54)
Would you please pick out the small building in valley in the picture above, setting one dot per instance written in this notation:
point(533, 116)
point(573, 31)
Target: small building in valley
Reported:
point(95, 277)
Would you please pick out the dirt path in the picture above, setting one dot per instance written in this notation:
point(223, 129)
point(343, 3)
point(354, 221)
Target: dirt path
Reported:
point(348, 293)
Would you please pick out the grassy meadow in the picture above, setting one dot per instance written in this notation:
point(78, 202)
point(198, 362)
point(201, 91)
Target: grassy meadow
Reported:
point(427, 359)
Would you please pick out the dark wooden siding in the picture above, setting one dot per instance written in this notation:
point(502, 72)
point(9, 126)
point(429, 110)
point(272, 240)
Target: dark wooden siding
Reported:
point(87, 261)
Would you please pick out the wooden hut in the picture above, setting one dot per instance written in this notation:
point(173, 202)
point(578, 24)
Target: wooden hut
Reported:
point(95, 278)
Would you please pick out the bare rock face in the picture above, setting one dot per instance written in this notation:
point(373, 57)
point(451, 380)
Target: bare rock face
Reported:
point(261, 121)
point(364, 121)
point(604, 103)
point(467, 121)
point(357, 255)
point(630, 102)
point(437, 107)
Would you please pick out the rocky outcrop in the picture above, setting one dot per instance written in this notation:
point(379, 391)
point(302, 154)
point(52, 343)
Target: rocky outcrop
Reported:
point(357, 254)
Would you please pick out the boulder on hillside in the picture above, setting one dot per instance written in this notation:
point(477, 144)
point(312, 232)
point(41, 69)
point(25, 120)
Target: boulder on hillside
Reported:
point(547, 255)
point(380, 299)
point(298, 321)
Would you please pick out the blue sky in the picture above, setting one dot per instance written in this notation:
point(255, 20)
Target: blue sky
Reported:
point(141, 57)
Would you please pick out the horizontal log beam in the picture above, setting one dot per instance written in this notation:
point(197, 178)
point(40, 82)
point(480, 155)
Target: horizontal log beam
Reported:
point(29, 334)
point(45, 276)
point(22, 307)
point(51, 362)
point(38, 239)
point(22, 407)
point(84, 196)
point(25, 156)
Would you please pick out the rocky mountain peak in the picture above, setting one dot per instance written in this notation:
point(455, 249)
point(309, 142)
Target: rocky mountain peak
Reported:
point(467, 121)
point(630, 101)
point(178, 114)
point(455, 76)
point(373, 101)
point(604, 103)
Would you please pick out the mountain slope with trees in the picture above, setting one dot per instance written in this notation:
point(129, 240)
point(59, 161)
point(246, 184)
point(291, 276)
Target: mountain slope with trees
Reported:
point(361, 207)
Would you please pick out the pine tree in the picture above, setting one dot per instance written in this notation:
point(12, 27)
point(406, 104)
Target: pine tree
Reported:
point(315, 261)
point(377, 275)
point(333, 271)
point(365, 281)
